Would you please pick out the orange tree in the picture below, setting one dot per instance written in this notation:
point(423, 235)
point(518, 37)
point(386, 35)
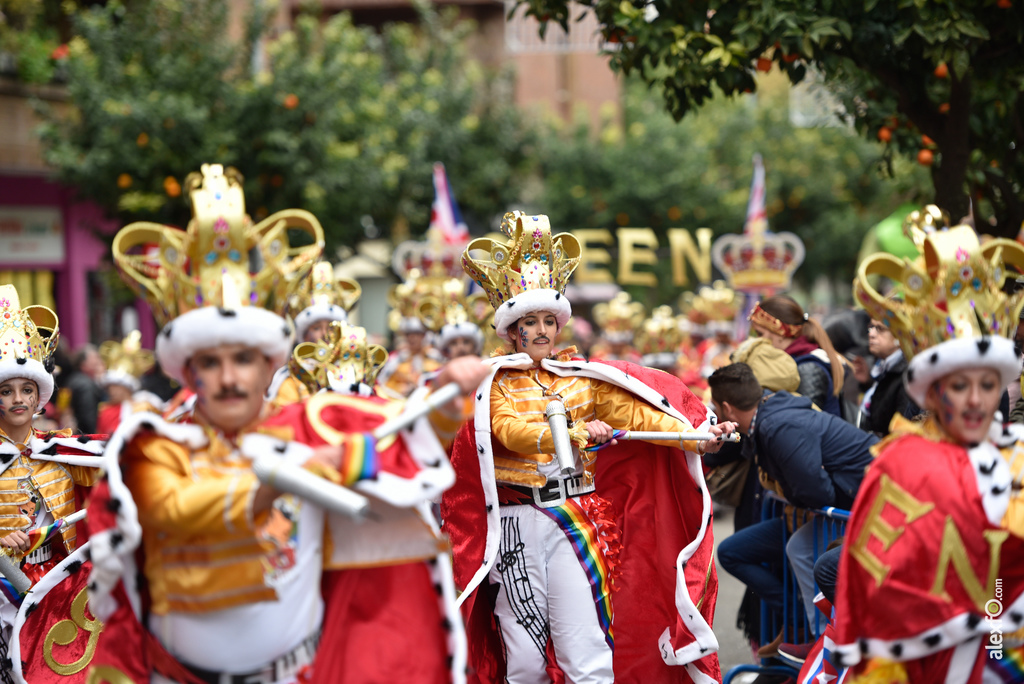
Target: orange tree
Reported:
point(939, 80)
point(335, 118)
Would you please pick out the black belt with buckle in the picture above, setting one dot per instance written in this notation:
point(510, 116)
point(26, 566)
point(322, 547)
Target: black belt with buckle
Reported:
point(277, 670)
point(555, 491)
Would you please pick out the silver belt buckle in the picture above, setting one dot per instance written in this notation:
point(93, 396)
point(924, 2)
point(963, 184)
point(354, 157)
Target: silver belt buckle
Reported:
point(553, 502)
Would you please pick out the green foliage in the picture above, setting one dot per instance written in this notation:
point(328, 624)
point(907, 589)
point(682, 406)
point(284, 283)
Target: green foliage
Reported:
point(879, 56)
point(339, 120)
point(823, 184)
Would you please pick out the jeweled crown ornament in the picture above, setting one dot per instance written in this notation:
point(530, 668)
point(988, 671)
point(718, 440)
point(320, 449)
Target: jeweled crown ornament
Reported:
point(715, 306)
point(342, 360)
point(531, 259)
point(619, 317)
point(449, 305)
point(321, 288)
point(222, 259)
point(952, 291)
point(26, 334)
point(127, 358)
point(660, 336)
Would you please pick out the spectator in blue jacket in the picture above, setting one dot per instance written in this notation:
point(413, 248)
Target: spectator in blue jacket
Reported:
point(817, 459)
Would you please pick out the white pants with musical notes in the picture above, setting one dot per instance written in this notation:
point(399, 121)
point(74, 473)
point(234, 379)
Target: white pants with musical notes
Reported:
point(545, 593)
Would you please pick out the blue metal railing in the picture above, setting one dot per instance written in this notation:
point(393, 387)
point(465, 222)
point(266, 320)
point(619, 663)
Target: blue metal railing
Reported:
point(829, 524)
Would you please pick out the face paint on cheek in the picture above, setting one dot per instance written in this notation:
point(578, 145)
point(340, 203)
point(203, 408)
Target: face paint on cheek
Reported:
point(947, 407)
point(523, 339)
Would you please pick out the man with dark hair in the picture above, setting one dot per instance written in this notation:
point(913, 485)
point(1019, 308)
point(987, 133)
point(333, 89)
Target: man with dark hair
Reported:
point(86, 392)
point(817, 460)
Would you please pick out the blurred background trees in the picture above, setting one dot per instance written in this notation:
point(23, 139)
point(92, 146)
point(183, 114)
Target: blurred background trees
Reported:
point(938, 82)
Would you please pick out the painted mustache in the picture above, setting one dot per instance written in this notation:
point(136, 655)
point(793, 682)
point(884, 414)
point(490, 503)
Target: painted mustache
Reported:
point(230, 393)
point(542, 338)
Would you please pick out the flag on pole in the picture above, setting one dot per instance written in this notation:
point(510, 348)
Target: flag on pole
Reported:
point(41, 535)
point(755, 207)
point(445, 215)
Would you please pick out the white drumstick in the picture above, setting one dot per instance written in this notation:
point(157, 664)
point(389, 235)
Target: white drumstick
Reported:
point(555, 411)
point(286, 476)
point(411, 414)
point(676, 436)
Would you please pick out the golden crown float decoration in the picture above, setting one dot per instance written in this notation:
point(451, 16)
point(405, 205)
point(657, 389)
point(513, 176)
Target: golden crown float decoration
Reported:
point(126, 361)
point(953, 314)
point(618, 318)
point(219, 281)
point(28, 339)
point(342, 361)
point(525, 274)
point(424, 267)
point(322, 297)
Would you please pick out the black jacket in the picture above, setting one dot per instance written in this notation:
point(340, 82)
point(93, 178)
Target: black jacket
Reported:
point(818, 458)
point(890, 397)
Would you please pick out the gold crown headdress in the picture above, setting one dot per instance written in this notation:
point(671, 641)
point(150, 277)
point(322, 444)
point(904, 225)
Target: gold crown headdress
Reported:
point(341, 360)
point(321, 288)
point(715, 306)
point(127, 359)
point(953, 291)
point(659, 338)
point(222, 259)
point(532, 269)
point(449, 305)
point(619, 317)
point(28, 339)
point(953, 304)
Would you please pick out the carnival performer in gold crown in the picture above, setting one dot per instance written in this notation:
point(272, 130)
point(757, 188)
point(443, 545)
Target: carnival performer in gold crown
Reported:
point(618, 319)
point(40, 470)
point(126, 363)
point(556, 537)
point(415, 355)
point(320, 299)
point(233, 562)
point(928, 556)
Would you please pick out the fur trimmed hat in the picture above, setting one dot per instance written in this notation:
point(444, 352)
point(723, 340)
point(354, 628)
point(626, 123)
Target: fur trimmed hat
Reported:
point(28, 338)
point(526, 274)
point(954, 314)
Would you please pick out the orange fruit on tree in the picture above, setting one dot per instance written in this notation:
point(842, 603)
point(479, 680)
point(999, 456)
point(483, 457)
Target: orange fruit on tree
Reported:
point(124, 181)
point(944, 108)
point(1004, 4)
point(885, 134)
point(927, 142)
point(764, 64)
point(941, 71)
point(925, 157)
point(291, 101)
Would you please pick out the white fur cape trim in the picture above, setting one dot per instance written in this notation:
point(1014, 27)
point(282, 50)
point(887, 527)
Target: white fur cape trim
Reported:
point(315, 314)
point(91, 448)
point(705, 641)
point(30, 370)
point(959, 354)
point(213, 326)
point(956, 631)
point(529, 302)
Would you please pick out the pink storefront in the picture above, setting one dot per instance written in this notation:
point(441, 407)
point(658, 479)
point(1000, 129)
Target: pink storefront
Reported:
point(55, 251)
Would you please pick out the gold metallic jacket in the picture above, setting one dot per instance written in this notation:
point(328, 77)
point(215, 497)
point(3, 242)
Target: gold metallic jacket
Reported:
point(55, 483)
point(518, 423)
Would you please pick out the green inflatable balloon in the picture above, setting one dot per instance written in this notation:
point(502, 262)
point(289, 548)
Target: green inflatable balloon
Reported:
point(889, 233)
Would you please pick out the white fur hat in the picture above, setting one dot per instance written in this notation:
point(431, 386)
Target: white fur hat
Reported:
point(212, 326)
point(531, 301)
point(961, 353)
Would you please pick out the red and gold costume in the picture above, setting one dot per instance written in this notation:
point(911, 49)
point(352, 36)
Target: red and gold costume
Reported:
point(928, 558)
point(126, 363)
point(542, 557)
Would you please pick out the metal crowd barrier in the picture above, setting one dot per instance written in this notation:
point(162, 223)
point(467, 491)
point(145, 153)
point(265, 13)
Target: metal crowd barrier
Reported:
point(830, 523)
